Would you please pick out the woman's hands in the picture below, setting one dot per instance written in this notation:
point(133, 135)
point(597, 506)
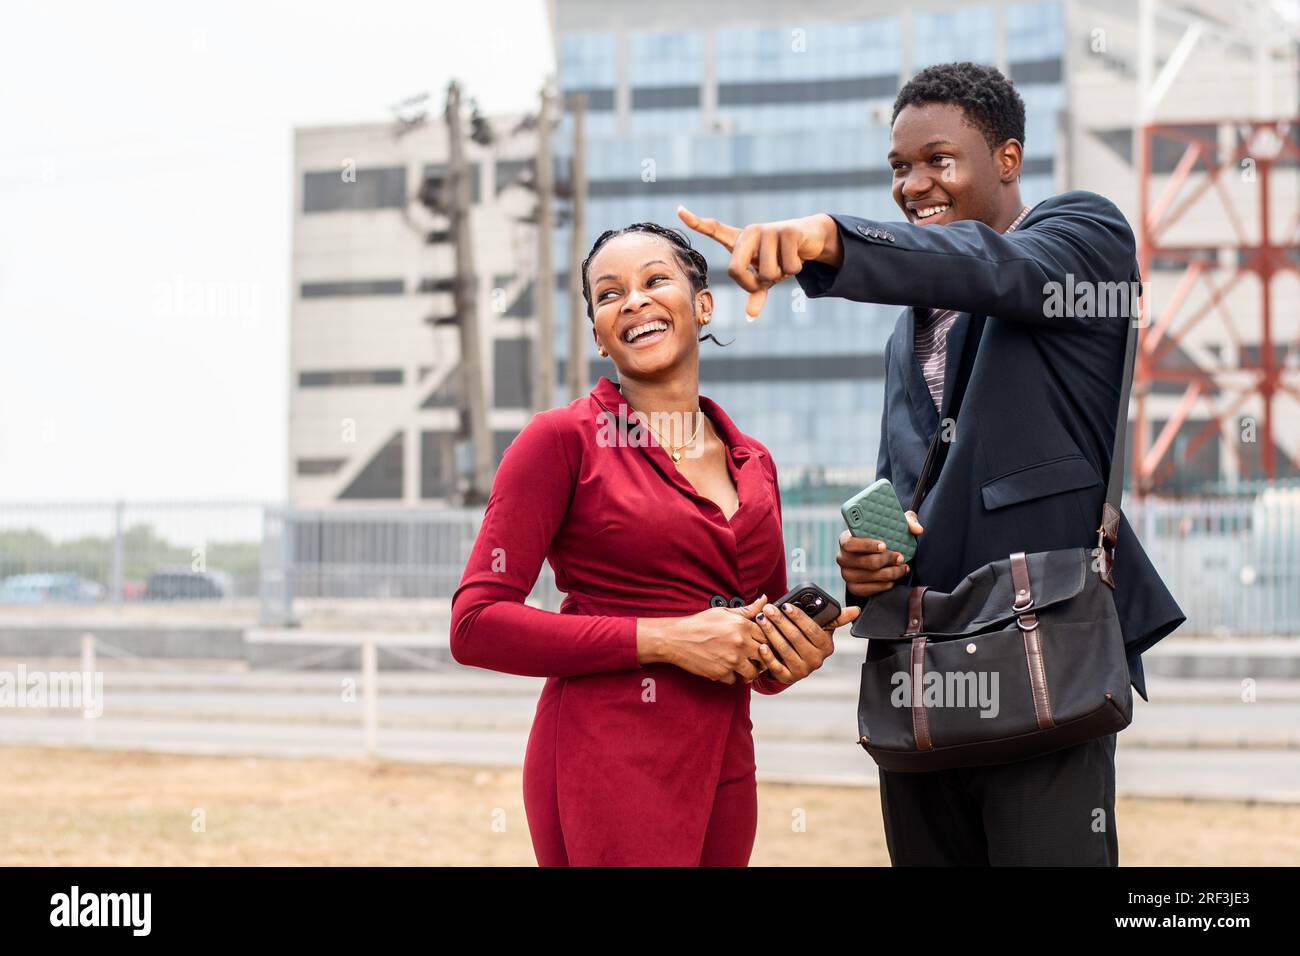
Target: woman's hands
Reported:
point(799, 643)
point(721, 643)
point(725, 643)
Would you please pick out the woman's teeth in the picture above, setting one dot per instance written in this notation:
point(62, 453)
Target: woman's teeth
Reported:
point(932, 211)
point(658, 325)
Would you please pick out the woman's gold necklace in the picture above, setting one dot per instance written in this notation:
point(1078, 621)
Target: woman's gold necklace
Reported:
point(675, 451)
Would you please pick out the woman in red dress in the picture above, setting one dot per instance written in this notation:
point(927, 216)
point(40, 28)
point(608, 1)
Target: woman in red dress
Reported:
point(661, 521)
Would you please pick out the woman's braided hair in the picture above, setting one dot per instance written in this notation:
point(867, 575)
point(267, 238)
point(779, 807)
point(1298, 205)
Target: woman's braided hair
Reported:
point(688, 257)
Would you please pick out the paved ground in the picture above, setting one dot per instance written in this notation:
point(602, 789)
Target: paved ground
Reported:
point(73, 806)
point(1197, 739)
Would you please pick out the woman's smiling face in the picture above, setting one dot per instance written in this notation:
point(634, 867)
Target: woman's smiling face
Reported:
point(644, 311)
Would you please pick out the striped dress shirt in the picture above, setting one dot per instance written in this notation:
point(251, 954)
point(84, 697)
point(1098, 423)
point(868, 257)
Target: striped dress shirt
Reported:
point(931, 343)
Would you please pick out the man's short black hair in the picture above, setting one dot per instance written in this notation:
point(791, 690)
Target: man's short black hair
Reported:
point(990, 102)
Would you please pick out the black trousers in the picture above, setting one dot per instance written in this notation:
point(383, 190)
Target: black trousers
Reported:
point(1053, 810)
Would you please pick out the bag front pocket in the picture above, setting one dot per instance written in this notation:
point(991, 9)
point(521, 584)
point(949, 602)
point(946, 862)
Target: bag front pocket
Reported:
point(962, 686)
point(972, 686)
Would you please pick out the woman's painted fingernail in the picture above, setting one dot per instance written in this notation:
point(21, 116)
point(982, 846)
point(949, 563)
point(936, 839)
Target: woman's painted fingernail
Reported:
point(787, 608)
point(760, 616)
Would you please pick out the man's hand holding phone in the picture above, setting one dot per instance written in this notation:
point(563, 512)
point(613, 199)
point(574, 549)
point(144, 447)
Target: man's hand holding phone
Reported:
point(868, 566)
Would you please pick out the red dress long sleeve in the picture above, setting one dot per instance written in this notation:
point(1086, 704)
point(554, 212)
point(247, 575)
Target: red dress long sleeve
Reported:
point(624, 761)
point(491, 625)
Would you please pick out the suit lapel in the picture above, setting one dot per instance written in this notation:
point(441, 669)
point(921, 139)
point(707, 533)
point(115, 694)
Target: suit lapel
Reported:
point(952, 360)
point(963, 340)
point(918, 393)
point(963, 350)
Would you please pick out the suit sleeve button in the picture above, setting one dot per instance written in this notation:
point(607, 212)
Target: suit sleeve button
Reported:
point(717, 601)
point(737, 601)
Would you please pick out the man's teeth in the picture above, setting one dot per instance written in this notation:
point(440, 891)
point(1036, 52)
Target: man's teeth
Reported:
point(657, 325)
point(929, 211)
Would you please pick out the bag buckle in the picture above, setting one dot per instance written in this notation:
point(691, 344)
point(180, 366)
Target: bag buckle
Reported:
point(1026, 618)
point(1022, 606)
point(1105, 556)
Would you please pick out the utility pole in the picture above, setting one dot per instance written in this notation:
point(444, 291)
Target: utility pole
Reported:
point(466, 298)
point(544, 344)
point(577, 364)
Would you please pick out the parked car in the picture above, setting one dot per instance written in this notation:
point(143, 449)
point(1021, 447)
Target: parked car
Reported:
point(53, 588)
point(182, 584)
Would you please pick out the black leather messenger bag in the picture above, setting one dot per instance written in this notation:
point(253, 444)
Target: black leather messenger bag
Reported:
point(1024, 657)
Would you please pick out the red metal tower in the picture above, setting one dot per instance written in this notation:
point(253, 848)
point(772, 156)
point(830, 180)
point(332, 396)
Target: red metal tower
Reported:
point(1258, 146)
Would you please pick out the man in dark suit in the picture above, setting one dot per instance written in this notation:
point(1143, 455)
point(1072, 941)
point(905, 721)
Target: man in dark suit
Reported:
point(990, 287)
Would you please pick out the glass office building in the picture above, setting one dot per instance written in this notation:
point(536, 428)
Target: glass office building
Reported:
point(748, 121)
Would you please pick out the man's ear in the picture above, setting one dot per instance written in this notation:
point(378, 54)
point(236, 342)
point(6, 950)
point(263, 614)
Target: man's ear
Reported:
point(1009, 157)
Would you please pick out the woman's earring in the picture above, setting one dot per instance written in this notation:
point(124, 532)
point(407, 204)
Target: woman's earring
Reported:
point(706, 320)
point(600, 350)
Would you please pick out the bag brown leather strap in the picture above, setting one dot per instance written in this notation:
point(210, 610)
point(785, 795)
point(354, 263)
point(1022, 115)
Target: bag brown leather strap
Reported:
point(916, 609)
point(1027, 621)
point(915, 624)
point(1108, 531)
point(920, 716)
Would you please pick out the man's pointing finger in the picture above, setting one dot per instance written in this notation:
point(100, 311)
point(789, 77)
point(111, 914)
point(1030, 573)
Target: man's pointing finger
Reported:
point(719, 231)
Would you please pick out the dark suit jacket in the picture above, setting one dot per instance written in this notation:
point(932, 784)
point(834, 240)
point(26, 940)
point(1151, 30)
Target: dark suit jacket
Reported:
point(1032, 443)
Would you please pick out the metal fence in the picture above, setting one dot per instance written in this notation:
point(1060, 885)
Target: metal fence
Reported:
point(1232, 563)
point(116, 552)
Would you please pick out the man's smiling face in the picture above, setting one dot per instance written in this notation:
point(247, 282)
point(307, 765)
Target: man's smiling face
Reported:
point(944, 169)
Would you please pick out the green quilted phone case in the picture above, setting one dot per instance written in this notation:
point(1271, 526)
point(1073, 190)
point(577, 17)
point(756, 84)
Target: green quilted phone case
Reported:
point(875, 512)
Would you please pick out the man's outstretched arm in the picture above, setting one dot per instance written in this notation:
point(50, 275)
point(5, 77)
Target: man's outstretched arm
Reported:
point(964, 265)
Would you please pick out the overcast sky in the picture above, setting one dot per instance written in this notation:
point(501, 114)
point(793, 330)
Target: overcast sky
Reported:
point(145, 220)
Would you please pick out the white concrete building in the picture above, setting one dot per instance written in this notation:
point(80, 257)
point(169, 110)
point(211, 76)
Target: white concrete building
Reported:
point(372, 414)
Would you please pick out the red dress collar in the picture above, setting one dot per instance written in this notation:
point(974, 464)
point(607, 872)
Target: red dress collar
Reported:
point(610, 397)
point(756, 501)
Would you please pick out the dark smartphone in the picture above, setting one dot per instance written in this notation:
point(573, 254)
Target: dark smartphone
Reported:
point(813, 601)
